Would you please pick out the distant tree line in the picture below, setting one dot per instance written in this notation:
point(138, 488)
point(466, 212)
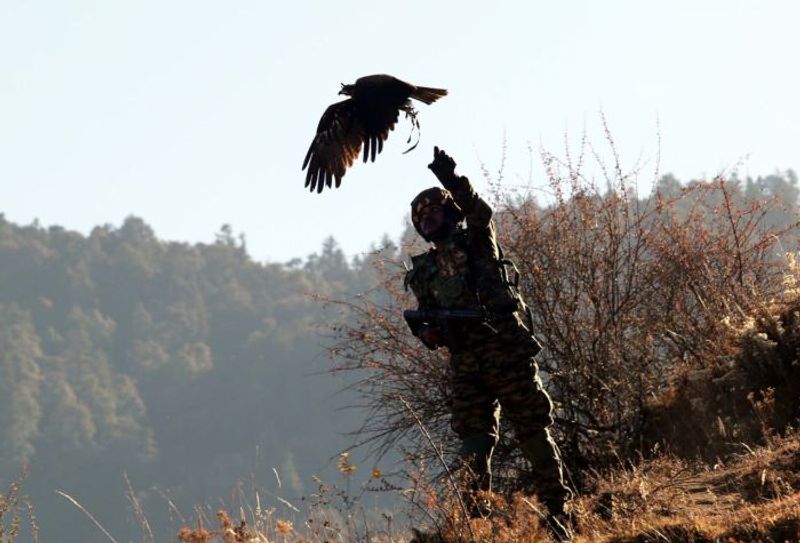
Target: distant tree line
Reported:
point(187, 366)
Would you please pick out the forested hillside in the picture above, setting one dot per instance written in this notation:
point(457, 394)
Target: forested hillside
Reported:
point(187, 366)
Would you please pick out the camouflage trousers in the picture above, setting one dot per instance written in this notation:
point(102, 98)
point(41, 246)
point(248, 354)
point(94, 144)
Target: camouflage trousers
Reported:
point(494, 372)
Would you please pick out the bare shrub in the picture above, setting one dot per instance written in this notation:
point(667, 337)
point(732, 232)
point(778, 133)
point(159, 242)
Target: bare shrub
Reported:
point(749, 395)
point(625, 292)
point(397, 377)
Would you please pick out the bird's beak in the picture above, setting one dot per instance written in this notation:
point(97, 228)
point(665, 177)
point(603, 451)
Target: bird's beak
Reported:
point(341, 91)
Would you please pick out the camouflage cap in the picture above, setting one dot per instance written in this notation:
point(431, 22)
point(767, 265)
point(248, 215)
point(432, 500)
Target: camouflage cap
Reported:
point(434, 196)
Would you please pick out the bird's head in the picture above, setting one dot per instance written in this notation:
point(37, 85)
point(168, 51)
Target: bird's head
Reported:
point(347, 90)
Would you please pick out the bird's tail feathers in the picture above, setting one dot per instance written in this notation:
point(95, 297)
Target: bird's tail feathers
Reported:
point(428, 95)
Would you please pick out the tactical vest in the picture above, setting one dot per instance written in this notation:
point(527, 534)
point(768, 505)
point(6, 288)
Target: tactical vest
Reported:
point(449, 276)
point(442, 278)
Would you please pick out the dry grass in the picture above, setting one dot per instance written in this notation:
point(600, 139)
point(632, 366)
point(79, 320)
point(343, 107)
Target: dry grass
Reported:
point(754, 497)
point(228, 532)
point(749, 395)
point(15, 509)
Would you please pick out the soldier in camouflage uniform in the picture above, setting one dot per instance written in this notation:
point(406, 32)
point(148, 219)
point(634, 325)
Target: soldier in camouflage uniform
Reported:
point(492, 362)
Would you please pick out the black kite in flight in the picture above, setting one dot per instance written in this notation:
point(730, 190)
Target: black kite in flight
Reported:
point(366, 117)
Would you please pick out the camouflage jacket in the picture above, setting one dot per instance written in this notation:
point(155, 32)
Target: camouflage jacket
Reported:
point(463, 271)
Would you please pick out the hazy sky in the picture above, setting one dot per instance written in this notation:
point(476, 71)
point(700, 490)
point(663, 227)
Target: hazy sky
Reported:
point(192, 114)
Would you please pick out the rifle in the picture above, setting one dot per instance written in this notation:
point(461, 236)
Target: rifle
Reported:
point(442, 319)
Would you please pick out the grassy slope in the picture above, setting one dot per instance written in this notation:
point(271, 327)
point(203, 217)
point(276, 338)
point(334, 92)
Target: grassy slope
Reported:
point(755, 496)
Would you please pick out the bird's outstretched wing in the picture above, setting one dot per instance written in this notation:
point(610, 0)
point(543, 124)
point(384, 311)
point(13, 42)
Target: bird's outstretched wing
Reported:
point(335, 146)
point(377, 122)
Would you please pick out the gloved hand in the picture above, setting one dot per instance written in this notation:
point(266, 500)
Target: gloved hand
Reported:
point(430, 337)
point(443, 167)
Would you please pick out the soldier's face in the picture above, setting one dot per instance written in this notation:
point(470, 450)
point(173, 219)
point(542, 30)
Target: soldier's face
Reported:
point(431, 220)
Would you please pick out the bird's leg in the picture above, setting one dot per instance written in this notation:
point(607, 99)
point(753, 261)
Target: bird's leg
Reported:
point(411, 114)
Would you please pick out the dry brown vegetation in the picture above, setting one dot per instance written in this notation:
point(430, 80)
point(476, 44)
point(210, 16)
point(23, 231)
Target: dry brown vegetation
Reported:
point(16, 513)
point(631, 297)
point(671, 331)
point(752, 496)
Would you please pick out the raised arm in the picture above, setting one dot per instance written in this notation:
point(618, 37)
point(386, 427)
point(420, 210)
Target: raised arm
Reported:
point(475, 209)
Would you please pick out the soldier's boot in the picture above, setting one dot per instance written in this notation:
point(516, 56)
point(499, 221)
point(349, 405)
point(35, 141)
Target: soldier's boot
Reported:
point(476, 453)
point(543, 454)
